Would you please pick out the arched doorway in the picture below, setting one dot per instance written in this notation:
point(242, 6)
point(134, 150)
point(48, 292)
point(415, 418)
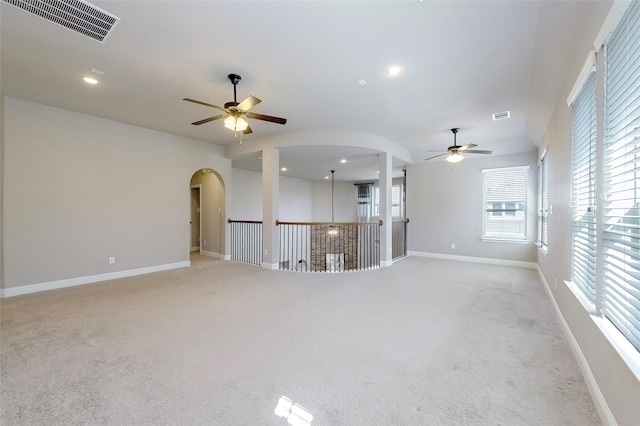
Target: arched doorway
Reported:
point(207, 213)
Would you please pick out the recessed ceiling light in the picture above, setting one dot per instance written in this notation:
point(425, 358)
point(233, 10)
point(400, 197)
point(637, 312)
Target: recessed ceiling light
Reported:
point(344, 160)
point(90, 80)
point(394, 70)
point(284, 169)
point(326, 177)
point(362, 82)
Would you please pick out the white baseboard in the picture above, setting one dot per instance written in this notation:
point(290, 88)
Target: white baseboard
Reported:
point(71, 282)
point(601, 404)
point(226, 257)
point(196, 248)
point(386, 263)
point(503, 262)
point(210, 254)
point(270, 266)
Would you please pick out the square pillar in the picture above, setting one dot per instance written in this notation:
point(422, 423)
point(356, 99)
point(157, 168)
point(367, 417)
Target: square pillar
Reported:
point(270, 208)
point(385, 183)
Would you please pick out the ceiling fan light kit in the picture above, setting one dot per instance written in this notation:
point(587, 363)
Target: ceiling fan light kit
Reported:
point(455, 157)
point(237, 124)
point(455, 151)
point(234, 119)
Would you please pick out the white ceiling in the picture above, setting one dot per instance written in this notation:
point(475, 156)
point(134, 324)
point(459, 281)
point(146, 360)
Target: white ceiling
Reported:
point(462, 61)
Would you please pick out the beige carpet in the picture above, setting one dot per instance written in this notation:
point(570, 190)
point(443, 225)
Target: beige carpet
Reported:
point(425, 342)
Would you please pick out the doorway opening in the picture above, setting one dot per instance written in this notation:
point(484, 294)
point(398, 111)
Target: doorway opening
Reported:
point(207, 221)
point(196, 218)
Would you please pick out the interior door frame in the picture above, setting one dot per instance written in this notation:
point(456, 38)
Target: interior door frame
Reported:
point(198, 186)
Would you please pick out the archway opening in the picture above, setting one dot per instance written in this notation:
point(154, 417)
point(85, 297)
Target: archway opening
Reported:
point(207, 213)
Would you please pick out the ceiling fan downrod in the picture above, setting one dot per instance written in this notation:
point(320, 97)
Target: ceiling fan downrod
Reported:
point(235, 79)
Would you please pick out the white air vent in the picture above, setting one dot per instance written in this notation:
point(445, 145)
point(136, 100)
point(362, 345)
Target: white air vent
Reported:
point(501, 115)
point(76, 15)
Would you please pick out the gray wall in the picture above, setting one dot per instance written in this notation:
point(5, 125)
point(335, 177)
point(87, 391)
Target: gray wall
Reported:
point(345, 199)
point(295, 197)
point(78, 189)
point(444, 206)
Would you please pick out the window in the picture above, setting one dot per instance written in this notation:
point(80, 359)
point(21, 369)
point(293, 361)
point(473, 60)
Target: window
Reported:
point(396, 201)
point(583, 189)
point(606, 194)
point(543, 202)
point(621, 178)
point(505, 200)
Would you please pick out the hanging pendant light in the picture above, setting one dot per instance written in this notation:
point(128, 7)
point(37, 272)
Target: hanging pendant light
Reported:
point(332, 228)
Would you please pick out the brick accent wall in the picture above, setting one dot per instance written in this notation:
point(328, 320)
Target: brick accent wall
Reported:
point(342, 239)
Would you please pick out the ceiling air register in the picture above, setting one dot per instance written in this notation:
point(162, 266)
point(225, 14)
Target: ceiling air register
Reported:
point(75, 15)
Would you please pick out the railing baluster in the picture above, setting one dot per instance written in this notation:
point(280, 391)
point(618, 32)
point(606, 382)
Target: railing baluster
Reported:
point(304, 246)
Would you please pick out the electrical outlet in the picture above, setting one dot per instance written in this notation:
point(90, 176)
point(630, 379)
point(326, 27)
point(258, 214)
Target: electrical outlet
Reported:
point(112, 260)
point(266, 252)
point(205, 242)
point(453, 246)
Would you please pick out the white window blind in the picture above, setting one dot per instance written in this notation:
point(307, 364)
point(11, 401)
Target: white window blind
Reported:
point(583, 189)
point(543, 202)
point(505, 203)
point(621, 189)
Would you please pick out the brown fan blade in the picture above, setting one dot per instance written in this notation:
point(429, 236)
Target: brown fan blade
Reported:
point(248, 103)
point(203, 103)
point(267, 118)
point(436, 156)
point(206, 120)
point(477, 151)
point(247, 131)
point(466, 147)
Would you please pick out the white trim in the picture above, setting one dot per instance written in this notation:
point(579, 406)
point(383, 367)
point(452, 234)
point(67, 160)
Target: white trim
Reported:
point(544, 154)
point(504, 240)
point(386, 263)
point(270, 266)
point(71, 282)
point(211, 254)
point(588, 67)
point(226, 257)
point(621, 344)
point(504, 169)
point(618, 8)
point(196, 248)
point(601, 404)
point(503, 262)
point(578, 293)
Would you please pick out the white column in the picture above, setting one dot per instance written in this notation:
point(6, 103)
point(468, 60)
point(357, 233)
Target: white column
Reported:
point(385, 183)
point(270, 208)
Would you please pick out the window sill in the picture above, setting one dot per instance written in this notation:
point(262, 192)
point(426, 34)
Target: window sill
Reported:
point(629, 354)
point(503, 240)
point(542, 248)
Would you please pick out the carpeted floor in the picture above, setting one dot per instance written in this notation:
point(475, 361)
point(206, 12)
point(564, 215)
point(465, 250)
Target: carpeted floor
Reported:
point(424, 342)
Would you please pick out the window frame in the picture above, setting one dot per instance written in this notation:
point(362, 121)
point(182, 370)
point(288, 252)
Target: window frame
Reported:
point(542, 240)
point(522, 199)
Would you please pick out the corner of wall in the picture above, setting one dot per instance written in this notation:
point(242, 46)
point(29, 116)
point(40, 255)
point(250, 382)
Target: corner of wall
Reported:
point(2, 168)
